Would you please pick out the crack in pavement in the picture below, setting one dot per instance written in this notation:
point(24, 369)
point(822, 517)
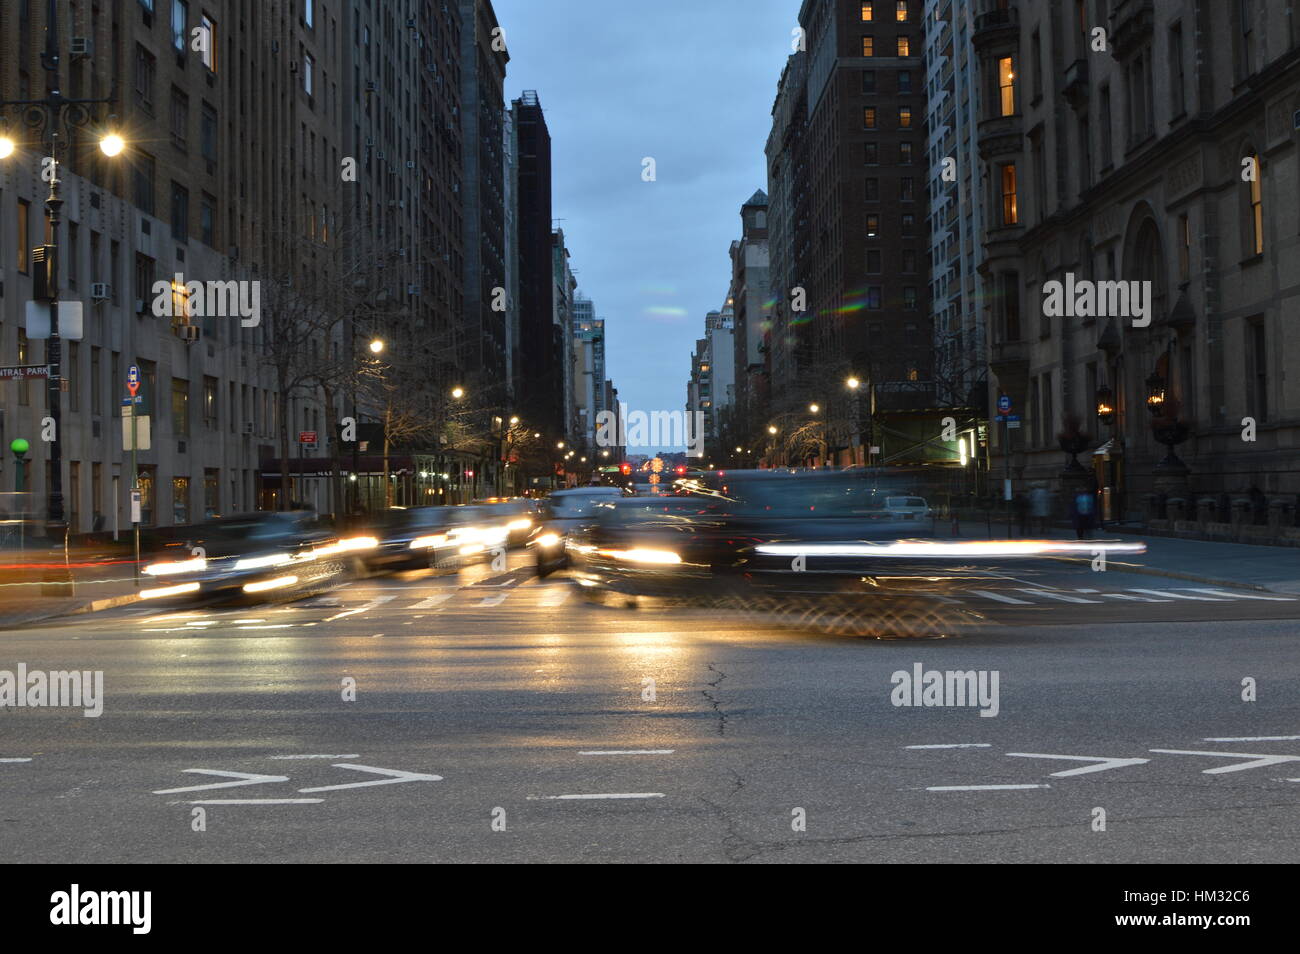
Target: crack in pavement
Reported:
point(717, 706)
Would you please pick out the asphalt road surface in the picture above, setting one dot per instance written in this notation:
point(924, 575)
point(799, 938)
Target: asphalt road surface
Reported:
point(497, 717)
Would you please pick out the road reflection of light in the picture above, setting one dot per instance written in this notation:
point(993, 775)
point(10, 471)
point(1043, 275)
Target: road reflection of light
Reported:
point(269, 626)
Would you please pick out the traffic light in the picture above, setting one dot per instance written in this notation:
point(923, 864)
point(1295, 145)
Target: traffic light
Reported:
point(680, 470)
point(626, 469)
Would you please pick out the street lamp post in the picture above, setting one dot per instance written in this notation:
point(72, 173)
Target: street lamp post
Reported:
point(46, 114)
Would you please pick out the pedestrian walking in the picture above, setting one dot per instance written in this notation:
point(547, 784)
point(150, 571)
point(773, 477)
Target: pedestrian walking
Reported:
point(1039, 506)
point(1083, 512)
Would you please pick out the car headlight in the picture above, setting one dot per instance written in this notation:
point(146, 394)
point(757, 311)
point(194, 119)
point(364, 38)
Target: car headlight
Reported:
point(644, 555)
point(275, 584)
point(177, 566)
point(169, 591)
point(428, 543)
point(523, 523)
point(548, 539)
point(258, 563)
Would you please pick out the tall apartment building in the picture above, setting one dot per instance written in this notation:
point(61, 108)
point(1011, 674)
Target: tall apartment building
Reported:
point(1147, 141)
point(235, 168)
point(541, 376)
point(749, 297)
point(710, 391)
point(955, 211)
point(862, 254)
point(559, 356)
point(588, 350)
point(484, 57)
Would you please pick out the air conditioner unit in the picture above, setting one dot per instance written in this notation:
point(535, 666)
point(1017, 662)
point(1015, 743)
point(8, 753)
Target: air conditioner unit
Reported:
point(380, 155)
point(188, 333)
point(98, 290)
point(410, 163)
point(80, 46)
point(248, 427)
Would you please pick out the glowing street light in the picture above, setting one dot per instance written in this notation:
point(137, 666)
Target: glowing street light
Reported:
point(771, 429)
point(853, 383)
point(458, 393)
point(6, 147)
point(112, 144)
point(376, 346)
point(813, 408)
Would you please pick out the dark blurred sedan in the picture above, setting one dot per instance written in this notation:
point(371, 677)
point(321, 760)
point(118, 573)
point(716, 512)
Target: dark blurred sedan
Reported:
point(272, 554)
point(413, 538)
point(563, 513)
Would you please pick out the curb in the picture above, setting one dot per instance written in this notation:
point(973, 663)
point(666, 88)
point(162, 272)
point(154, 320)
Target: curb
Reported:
point(93, 606)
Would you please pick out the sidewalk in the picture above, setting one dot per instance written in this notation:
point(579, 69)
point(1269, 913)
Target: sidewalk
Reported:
point(1242, 565)
point(25, 603)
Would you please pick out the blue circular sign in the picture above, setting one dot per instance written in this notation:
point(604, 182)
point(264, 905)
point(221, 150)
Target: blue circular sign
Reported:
point(1004, 403)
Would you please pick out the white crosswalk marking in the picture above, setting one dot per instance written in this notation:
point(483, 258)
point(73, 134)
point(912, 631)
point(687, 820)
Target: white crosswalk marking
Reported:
point(432, 601)
point(1052, 594)
point(1177, 595)
point(1243, 596)
point(555, 595)
point(1128, 596)
point(1000, 598)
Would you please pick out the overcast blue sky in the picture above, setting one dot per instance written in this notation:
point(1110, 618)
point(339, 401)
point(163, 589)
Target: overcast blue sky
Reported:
point(688, 82)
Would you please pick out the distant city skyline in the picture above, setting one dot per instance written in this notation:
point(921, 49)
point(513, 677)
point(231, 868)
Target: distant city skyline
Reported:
point(690, 85)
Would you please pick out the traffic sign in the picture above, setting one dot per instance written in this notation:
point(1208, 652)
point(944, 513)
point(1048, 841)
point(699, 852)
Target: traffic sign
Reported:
point(128, 401)
point(1004, 403)
point(1011, 419)
point(25, 371)
point(133, 379)
point(306, 437)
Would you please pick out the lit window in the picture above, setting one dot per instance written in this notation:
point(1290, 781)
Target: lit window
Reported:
point(900, 10)
point(904, 117)
point(1006, 86)
point(869, 117)
point(873, 224)
point(866, 10)
point(904, 46)
point(1010, 212)
point(867, 46)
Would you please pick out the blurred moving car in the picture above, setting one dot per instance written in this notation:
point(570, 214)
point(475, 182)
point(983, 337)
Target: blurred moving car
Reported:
point(413, 538)
point(910, 508)
point(519, 516)
point(563, 512)
point(282, 554)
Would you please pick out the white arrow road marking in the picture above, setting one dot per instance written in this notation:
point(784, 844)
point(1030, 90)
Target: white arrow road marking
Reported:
point(244, 778)
point(1106, 762)
point(496, 599)
point(983, 788)
point(1256, 761)
point(432, 601)
point(1243, 596)
point(538, 798)
point(1052, 594)
point(15, 760)
point(396, 777)
point(1000, 598)
point(954, 745)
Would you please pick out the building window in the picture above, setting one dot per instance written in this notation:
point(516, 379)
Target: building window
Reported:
point(1107, 148)
point(309, 12)
point(1177, 76)
point(180, 118)
point(871, 153)
point(208, 132)
point(96, 382)
point(907, 189)
point(207, 221)
point(900, 10)
point(1255, 189)
point(1010, 210)
point(1085, 154)
point(24, 236)
point(144, 273)
point(180, 16)
point(1010, 306)
point(1246, 20)
point(211, 483)
point(909, 261)
point(873, 297)
point(1256, 370)
point(908, 223)
point(146, 495)
point(909, 298)
point(868, 46)
point(142, 170)
point(873, 261)
point(73, 253)
point(180, 212)
point(1037, 53)
point(905, 117)
point(1184, 247)
point(146, 67)
point(869, 117)
point(867, 10)
point(308, 69)
point(209, 57)
point(180, 407)
point(211, 419)
point(873, 225)
point(1006, 87)
point(904, 81)
point(904, 153)
point(180, 501)
point(869, 82)
point(873, 190)
point(904, 46)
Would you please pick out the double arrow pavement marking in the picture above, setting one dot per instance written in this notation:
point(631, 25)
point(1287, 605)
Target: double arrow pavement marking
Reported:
point(397, 777)
point(243, 778)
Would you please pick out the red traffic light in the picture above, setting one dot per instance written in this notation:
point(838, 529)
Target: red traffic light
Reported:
point(626, 469)
point(680, 470)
